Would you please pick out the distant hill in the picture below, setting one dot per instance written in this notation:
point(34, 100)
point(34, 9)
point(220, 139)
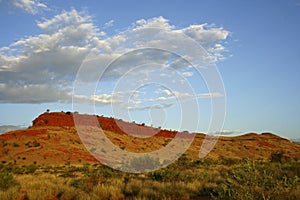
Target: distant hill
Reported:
point(6, 128)
point(53, 139)
point(296, 140)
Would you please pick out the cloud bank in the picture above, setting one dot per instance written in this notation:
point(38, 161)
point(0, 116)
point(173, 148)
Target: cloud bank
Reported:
point(41, 68)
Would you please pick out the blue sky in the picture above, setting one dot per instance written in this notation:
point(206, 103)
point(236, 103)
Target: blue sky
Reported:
point(257, 57)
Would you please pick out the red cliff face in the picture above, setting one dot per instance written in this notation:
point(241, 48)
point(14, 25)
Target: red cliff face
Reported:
point(109, 124)
point(54, 119)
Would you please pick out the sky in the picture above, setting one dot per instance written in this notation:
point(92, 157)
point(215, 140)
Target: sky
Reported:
point(231, 67)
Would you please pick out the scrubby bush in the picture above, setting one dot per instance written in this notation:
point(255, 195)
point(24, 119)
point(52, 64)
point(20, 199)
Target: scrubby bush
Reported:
point(168, 175)
point(16, 144)
point(277, 156)
point(144, 163)
point(6, 180)
point(30, 169)
point(36, 143)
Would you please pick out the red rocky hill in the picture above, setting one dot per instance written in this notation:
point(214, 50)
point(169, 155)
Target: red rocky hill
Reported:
point(53, 139)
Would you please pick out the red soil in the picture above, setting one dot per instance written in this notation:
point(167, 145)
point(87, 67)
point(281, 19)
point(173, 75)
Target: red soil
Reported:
point(23, 133)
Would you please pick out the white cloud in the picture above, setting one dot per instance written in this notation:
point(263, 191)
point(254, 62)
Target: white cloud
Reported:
point(38, 93)
point(159, 99)
point(171, 98)
point(187, 74)
point(108, 24)
point(113, 98)
point(41, 68)
point(166, 92)
point(205, 33)
point(210, 95)
point(46, 63)
point(185, 95)
point(106, 99)
point(226, 132)
point(146, 107)
point(30, 6)
point(156, 22)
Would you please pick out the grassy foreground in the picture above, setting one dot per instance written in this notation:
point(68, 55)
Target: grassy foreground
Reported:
point(184, 179)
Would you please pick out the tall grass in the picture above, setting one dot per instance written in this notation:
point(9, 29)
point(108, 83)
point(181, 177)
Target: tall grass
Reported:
point(184, 179)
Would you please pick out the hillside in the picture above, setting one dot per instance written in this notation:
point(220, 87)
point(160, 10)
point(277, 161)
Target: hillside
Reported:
point(53, 139)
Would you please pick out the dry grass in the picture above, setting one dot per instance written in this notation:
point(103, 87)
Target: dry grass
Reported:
point(11, 193)
point(45, 186)
point(184, 179)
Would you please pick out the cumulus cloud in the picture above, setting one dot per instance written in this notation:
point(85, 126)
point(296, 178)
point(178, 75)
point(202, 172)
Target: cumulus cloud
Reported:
point(113, 98)
point(205, 33)
point(166, 92)
point(37, 93)
point(101, 98)
point(29, 6)
point(157, 22)
point(41, 68)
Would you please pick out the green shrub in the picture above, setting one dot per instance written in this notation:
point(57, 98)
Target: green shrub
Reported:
point(16, 145)
point(6, 180)
point(123, 147)
point(36, 143)
point(30, 169)
point(18, 170)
